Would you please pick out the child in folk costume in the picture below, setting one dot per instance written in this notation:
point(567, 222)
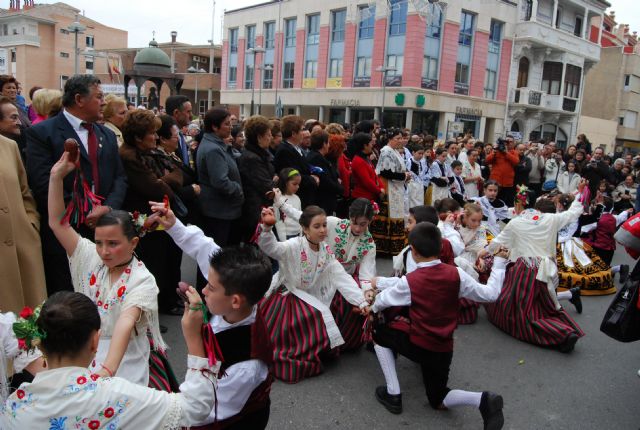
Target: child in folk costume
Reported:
point(353, 246)
point(600, 235)
point(296, 308)
point(494, 210)
point(109, 273)
point(431, 292)
point(288, 184)
point(419, 183)
point(441, 176)
point(238, 278)
point(458, 190)
point(68, 395)
point(528, 307)
point(474, 237)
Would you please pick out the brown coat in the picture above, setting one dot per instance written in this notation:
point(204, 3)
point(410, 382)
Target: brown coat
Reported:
point(23, 282)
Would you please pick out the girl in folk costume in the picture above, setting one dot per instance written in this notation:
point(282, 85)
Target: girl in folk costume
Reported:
point(354, 248)
point(108, 272)
point(494, 210)
point(388, 227)
point(68, 395)
point(288, 184)
point(441, 176)
point(296, 308)
point(580, 268)
point(474, 237)
point(417, 165)
point(528, 308)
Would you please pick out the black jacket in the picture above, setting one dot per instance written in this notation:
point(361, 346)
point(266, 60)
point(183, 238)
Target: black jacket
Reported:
point(288, 156)
point(257, 174)
point(329, 188)
point(522, 171)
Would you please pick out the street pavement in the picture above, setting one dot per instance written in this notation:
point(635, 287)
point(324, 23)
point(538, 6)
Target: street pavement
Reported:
point(595, 387)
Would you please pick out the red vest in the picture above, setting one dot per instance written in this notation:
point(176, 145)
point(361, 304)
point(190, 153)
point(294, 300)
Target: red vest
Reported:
point(434, 306)
point(602, 236)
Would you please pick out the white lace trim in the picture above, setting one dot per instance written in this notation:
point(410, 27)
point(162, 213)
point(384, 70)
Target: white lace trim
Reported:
point(174, 414)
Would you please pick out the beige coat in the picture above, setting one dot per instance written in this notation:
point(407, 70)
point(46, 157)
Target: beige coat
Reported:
point(23, 282)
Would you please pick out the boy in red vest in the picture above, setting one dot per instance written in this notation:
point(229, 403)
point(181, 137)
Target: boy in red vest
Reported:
point(432, 293)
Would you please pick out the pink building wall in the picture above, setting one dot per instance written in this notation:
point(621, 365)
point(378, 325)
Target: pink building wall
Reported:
point(224, 65)
point(449, 57)
point(323, 57)
point(298, 72)
point(277, 60)
point(241, 54)
point(379, 48)
point(479, 63)
point(349, 54)
point(505, 64)
point(259, 62)
point(413, 52)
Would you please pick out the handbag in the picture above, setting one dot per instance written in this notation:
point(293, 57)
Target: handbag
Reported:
point(622, 319)
point(552, 184)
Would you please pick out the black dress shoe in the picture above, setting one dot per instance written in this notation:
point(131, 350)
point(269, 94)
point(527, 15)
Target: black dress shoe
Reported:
point(624, 273)
point(568, 345)
point(163, 329)
point(393, 403)
point(575, 299)
point(491, 410)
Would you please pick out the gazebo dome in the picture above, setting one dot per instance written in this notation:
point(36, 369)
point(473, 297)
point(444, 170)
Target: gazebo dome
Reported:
point(152, 56)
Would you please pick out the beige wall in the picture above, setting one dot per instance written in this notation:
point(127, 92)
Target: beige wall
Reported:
point(599, 131)
point(603, 85)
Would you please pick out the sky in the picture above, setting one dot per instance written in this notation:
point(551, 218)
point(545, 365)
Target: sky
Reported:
point(192, 18)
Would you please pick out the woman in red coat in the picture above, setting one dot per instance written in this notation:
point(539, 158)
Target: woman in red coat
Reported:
point(364, 179)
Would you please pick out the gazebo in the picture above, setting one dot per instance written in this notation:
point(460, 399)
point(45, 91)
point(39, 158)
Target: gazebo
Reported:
point(152, 64)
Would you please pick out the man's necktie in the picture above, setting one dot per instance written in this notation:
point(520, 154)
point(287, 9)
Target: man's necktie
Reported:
point(92, 144)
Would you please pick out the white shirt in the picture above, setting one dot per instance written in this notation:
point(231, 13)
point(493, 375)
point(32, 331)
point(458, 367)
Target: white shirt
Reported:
point(76, 124)
point(396, 291)
point(453, 236)
point(195, 244)
point(469, 171)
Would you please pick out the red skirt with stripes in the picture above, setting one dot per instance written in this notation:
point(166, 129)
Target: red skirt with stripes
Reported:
point(467, 311)
point(161, 376)
point(526, 311)
point(349, 323)
point(298, 335)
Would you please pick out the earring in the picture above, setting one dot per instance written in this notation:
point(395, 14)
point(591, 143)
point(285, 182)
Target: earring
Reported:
point(44, 361)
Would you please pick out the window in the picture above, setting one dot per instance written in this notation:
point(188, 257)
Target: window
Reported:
point(290, 32)
point(233, 40)
point(461, 85)
point(398, 19)
point(466, 29)
point(287, 76)
point(313, 29)
point(621, 121)
point(88, 65)
point(311, 69)
point(577, 29)
point(495, 36)
point(89, 41)
point(395, 62)
point(248, 77)
point(434, 21)
point(430, 68)
point(367, 22)
point(363, 67)
point(202, 107)
point(233, 74)
point(335, 68)
point(14, 59)
point(630, 119)
point(251, 36)
point(337, 25)
point(64, 54)
point(551, 76)
point(269, 35)
point(490, 84)
point(627, 78)
point(5, 30)
point(267, 73)
point(572, 78)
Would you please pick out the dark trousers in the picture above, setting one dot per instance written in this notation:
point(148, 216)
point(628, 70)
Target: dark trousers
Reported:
point(256, 420)
point(508, 195)
point(56, 272)
point(435, 365)
point(604, 254)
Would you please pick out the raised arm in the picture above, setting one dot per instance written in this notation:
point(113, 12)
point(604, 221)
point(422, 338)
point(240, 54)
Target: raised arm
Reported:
point(267, 241)
point(66, 235)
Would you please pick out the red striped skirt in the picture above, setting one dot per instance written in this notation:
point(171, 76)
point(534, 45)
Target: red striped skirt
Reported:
point(526, 311)
point(298, 334)
point(349, 323)
point(161, 376)
point(467, 311)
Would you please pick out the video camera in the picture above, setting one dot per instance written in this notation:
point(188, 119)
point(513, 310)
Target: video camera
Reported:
point(501, 145)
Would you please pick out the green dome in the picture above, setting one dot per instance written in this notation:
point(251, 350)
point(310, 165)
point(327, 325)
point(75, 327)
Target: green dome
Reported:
point(152, 56)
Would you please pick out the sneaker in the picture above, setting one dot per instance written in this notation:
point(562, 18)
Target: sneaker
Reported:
point(568, 345)
point(491, 410)
point(575, 299)
point(624, 273)
point(393, 403)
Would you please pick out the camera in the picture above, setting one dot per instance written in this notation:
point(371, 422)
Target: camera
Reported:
point(501, 145)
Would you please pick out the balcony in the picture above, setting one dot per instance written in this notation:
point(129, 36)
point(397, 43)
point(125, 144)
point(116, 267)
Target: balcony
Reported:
point(537, 100)
point(544, 36)
point(20, 39)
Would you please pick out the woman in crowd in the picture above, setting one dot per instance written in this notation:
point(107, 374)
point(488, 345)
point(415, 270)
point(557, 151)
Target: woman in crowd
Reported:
point(152, 175)
point(580, 160)
point(364, 180)
point(329, 188)
point(624, 196)
point(120, 286)
point(256, 172)
point(569, 179)
point(342, 165)
point(67, 394)
point(583, 144)
point(472, 174)
point(114, 114)
point(46, 103)
point(388, 227)
point(570, 154)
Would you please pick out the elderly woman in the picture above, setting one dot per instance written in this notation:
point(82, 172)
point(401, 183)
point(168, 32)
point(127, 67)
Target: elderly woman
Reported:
point(624, 195)
point(256, 171)
point(114, 114)
point(152, 175)
point(9, 89)
point(46, 103)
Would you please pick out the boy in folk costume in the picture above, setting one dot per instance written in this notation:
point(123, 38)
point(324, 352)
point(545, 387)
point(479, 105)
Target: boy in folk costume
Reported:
point(441, 176)
point(432, 292)
point(238, 277)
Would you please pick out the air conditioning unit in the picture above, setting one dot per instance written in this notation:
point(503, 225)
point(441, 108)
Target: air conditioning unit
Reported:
point(196, 59)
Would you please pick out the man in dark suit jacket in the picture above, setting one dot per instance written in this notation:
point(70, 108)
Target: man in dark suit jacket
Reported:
point(289, 154)
point(83, 102)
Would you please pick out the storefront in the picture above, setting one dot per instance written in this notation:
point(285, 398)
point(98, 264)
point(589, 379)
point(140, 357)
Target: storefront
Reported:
point(470, 119)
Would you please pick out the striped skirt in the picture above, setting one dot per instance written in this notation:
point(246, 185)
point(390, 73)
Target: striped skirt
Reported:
point(594, 279)
point(526, 311)
point(349, 323)
point(161, 376)
point(298, 334)
point(467, 311)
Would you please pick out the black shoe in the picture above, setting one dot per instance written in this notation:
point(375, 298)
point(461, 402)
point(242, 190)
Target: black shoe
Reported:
point(575, 299)
point(491, 410)
point(393, 403)
point(163, 329)
point(568, 344)
point(624, 273)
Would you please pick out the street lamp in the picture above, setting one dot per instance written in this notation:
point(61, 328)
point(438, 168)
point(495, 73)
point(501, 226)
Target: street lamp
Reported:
point(254, 51)
point(196, 71)
point(268, 67)
point(76, 28)
point(384, 71)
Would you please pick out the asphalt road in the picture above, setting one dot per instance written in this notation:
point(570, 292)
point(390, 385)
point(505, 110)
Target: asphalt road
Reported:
point(595, 387)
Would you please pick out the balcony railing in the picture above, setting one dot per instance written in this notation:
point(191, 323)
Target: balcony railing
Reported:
point(569, 105)
point(460, 88)
point(538, 99)
point(20, 39)
point(543, 35)
point(429, 84)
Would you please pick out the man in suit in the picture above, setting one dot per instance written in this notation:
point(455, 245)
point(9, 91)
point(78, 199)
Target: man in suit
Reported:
point(83, 102)
point(179, 107)
point(289, 154)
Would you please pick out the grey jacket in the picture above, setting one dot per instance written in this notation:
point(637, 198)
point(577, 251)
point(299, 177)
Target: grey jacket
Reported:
point(221, 187)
